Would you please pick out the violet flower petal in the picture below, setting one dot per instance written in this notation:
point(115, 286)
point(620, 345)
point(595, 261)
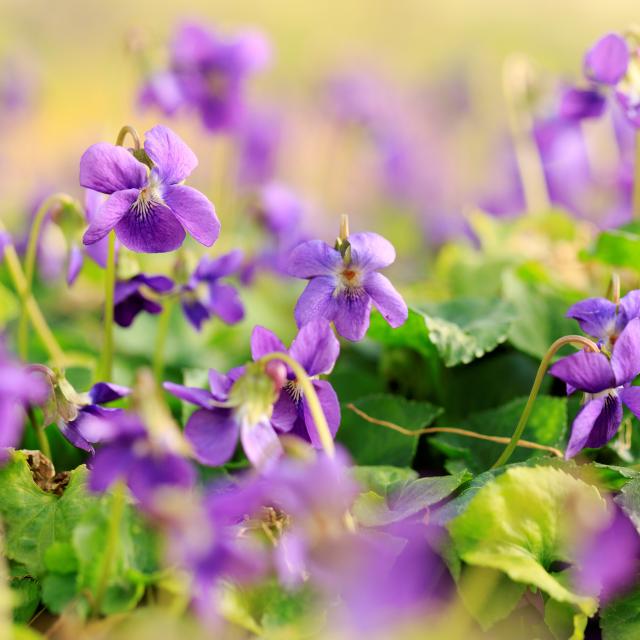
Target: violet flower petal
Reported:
point(371, 251)
point(113, 210)
point(193, 395)
point(630, 396)
point(213, 434)
point(224, 302)
point(606, 62)
point(74, 266)
point(313, 258)
point(285, 412)
point(595, 425)
point(108, 169)
point(386, 299)
point(596, 316)
point(315, 347)
point(577, 104)
point(195, 312)
point(317, 301)
point(103, 392)
point(173, 159)
point(157, 231)
point(625, 359)
point(585, 370)
point(264, 341)
point(196, 213)
point(109, 464)
point(352, 315)
point(261, 445)
point(330, 407)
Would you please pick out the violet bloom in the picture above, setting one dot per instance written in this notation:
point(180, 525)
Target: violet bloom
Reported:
point(148, 208)
point(259, 137)
point(19, 389)
point(208, 73)
point(220, 299)
point(343, 284)
point(5, 241)
point(238, 406)
point(130, 299)
point(316, 349)
point(606, 383)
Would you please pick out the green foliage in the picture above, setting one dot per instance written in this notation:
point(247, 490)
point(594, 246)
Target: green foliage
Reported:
point(619, 247)
point(620, 619)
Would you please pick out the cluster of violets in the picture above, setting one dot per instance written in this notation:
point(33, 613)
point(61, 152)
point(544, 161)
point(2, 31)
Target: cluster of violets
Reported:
point(289, 517)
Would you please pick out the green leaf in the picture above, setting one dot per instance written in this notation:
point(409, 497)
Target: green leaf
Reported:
point(629, 500)
point(372, 444)
point(412, 334)
point(619, 247)
point(547, 425)
point(620, 619)
point(523, 522)
point(563, 621)
point(34, 520)
point(61, 558)
point(59, 590)
point(466, 328)
point(26, 593)
point(380, 478)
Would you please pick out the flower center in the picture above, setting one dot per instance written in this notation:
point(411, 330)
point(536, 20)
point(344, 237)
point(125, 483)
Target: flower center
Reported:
point(148, 197)
point(218, 83)
point(349, 281)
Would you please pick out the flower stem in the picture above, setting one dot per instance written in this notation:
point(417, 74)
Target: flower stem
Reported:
point(128, 130)
point(161, 339)
point(43, 441)
point(310, 394)
point(106, 362)
point(118, 502)
point(31, 307)
point(636, 180)
point(344, 227)
point(542, 369)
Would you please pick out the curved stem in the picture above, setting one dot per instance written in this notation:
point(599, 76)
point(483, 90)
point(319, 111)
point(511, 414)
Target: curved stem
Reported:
point(31, 307)
point(636, 180)
point(527, 444)
point(542, 370)
point(310, 394)
point(30, 264)
point(106, 362)
point(161, 339)
point(118, 502)
point(128, 130)
point(43, 441)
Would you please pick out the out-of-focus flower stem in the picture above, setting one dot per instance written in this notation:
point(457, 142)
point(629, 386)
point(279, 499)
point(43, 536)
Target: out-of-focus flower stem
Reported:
point(311, 396)
point(542, 370)
point(161, 339)
point(636, 180)
point(30, 264)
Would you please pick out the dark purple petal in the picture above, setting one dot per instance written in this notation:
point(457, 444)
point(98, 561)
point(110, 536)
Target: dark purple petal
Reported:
point(596, 316)
point(386, 299)
point(351, 317)
point(156, 231)
point(330, 407)
point(606, 62)
point(195, 312)
point(370, 251)
point(597, 422)
point(107, 169)
point(114, 209)
point(625, 359)
point(219, 384)
point(577, 104)
point(315, 347)
point(124, 312)
point(160, 284)
point(585, 370)
point(263, 342)
point(261, 445)
point(173, 159)
point(224, 302)
point(195, 212)
point(109, 464)
point(313, 258)
point(152, 473)
point(103, 392)
point(75, 264)
point(225, 265)
point(193, 395)
point(213, 435)
point(317, 301)
point(71, 431)
point(285, 412)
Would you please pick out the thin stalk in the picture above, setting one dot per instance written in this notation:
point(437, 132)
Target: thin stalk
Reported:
point(526, 444)
point(31, 306)
point(118, 502)
point(43, 441)
point(164, 324)
point(106, 363)
point(636, 180)
point(326, 439)
point(30, 265)
point(124, 132)
point(344, 227)
point(542, 370)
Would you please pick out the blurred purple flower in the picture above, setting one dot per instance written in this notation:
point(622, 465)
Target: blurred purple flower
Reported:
point(149, 210)
point(129, 299)
point(259, 135)
point(221, 299)
point(343, 285)
point(606, 384)
point(5, 241)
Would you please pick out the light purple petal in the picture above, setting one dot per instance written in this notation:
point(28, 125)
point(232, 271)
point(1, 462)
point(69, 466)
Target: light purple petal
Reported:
point(225, 265)
point(351, 317)
point(313, 258)
point(172, 157)
point(625, 359)
point(224, 302)
point(219, 384)
point(157, 231)
point(113, 210)
point(317, 301)
point(160, 284)
point(285, 412)
point(152, 473)
point(371, 251)
point(577, 104)
point(74, 266)
point(193, 395)
point(607, 60)
point(630, 307)
point(386, 299)
point(195, 212)
point(315, 347)
point(108, 465)
point(107, 169)
point(213, 434)
point(596, 316)
point(12, 419)
point(631, 397)
point(585, 370)
point(330, 407)
point(261, 445)
point(264, 341)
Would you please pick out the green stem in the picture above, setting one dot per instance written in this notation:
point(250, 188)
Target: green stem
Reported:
point(161, 339)
point(106, 363)
point(310, 394)
point(118, 502)
point(542, 369)
point(128, 130)
point(31, 307)
point(43, 441)
point(636, 180)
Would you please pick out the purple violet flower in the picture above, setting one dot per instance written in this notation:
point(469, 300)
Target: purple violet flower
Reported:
point(343, 284)
point(316, 349)
point(148, 208)
point(606, 381)
point(259, 137)
point(221, 299)
point(129, 299)
point(5, 241)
